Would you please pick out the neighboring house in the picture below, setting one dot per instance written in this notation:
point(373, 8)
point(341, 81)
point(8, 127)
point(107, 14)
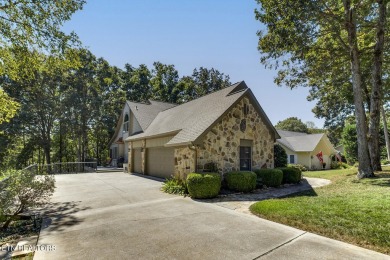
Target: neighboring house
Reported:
point(227, 128)
point(302, 148)
point(132, 121)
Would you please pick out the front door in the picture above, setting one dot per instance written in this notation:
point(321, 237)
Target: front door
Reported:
point(245, 158)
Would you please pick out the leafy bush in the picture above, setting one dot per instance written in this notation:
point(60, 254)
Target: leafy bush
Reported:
point(280, 156)
point(291, 175)
point(241, 181)
point(22, 190)
point(175, 186)
point(339, 165)
point(270, 177)
point(384, 162)
point(203, 186)
point(298, 166)
point(349, 140)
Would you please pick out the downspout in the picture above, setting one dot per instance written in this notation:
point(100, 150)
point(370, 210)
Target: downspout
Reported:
point(193, 148)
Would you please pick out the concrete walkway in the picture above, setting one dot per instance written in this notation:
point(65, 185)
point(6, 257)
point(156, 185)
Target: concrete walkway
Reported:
point(120, 216)
point(241, 202)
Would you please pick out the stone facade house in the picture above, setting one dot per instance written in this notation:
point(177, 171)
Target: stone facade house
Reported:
point(302, 148)
point(227, 129)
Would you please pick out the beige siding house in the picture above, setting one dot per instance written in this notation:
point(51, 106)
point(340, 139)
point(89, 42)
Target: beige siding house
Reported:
point(302, 148)
point(129, 124)
point(227, 128)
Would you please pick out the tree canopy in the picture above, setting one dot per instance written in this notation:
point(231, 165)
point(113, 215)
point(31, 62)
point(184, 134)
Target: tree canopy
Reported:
point(8, 107)
point(30, 23)
point(292, 124)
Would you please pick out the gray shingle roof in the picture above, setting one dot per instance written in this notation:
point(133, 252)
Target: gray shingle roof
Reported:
point(284, 133)
point(145, 113)
point(190, 120)
point(299, 142)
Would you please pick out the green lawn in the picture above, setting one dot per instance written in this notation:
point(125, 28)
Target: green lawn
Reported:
point(350, 210)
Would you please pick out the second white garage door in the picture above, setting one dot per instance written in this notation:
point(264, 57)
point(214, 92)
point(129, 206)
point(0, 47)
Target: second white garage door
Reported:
point(137, 161)
point(160, 162)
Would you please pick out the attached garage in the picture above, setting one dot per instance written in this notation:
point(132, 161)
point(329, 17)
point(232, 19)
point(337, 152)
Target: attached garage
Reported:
point(137, 160)
point(160, 162)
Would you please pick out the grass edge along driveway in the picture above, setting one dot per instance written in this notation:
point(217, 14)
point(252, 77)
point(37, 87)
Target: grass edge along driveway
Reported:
point(350, 210)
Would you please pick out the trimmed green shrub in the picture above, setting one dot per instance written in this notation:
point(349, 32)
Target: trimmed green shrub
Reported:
point(175, 186)
point(298, 166)
point(291, 175)
point(203, 186)
point(241, 181)
point(270, 177)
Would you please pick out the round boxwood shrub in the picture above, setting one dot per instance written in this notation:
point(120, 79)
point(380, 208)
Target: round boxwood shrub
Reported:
point(291, 175)
point(241, 181)
point(270, 177)
point(203, 186)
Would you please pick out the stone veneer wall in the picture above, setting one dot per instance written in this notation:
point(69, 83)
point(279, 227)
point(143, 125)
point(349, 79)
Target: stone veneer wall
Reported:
point(221, 144)
point(184, 162)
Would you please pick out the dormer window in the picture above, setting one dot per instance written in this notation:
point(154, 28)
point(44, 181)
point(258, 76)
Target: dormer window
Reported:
point(126, 123)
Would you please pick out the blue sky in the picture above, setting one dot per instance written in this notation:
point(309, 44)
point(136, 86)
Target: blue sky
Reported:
point(189, 34)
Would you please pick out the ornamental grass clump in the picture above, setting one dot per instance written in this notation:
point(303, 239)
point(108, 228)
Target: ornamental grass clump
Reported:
point(175, 186)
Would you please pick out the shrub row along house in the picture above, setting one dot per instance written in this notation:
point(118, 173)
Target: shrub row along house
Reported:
point(227, 128)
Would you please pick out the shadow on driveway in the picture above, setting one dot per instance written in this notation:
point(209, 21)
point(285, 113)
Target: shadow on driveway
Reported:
point(59, 215)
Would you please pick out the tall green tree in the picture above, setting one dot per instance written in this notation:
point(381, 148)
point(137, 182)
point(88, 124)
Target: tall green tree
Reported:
point(327, 46)
point(136, 83)
point(39, 95)
point(8, 107)
point(36, 23)
point(202, 82)
point(82, 100)
point(164, 83)
point(292, 124)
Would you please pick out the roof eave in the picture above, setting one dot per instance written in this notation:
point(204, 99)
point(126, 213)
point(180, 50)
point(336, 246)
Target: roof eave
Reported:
point(178, 144)
point(135, 138)
point(118, 126)
point(262, 113)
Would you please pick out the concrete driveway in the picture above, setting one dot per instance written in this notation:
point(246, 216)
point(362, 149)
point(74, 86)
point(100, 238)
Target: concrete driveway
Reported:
point(120, 216)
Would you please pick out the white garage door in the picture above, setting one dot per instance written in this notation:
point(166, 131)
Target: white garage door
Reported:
point(160, 162)
point(137, 161)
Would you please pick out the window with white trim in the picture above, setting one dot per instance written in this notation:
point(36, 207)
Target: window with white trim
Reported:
point(292, 159)
point(126, 123)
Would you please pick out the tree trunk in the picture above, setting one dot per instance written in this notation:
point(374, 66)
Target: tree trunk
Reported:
point(386, 132)
point(376, 91)
point(364, 169)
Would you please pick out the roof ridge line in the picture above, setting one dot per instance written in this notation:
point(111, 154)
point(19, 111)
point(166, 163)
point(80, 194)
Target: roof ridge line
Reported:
point(139, 102)
point(162, 102)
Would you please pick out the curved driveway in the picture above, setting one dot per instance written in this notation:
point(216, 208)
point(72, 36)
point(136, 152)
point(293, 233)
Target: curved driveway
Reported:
point(119, 216)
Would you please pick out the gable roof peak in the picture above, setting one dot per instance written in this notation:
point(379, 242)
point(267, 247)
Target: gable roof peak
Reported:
point(238, 87)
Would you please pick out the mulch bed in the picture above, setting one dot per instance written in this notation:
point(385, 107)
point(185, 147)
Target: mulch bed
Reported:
point(19, 229)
